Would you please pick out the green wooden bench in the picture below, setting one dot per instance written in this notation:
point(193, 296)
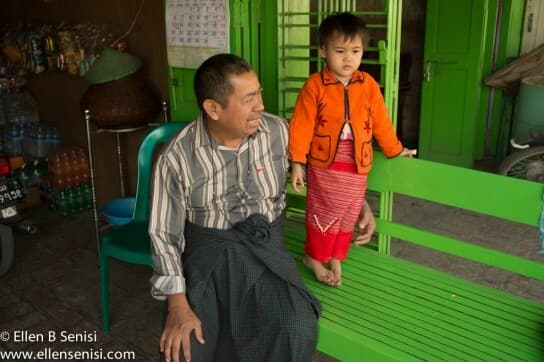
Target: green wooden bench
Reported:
point(392, 309)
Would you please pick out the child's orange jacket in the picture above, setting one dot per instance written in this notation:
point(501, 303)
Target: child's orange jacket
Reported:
point(324, 105)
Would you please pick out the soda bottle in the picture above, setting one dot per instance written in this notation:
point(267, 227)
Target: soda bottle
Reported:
point(51, 166)
point(57, 176)
point(70, 202)
point(83, 166)
point(79, 203)
point(86, 195)
point(61, 203)
point(67, 169)
point(75, 162)
point(27, 175)
point(40, 173)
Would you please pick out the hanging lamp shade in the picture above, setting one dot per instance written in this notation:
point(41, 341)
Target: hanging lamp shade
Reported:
point(112, 65)
point(117, 97)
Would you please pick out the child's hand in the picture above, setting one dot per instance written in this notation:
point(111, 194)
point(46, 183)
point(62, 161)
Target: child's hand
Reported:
point(297, 176)
point(408, 153)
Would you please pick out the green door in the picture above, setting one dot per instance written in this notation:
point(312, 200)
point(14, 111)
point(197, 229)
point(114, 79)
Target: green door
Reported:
point(454, 52)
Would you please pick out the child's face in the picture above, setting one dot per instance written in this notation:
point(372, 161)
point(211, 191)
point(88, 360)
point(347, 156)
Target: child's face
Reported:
point(343, 56)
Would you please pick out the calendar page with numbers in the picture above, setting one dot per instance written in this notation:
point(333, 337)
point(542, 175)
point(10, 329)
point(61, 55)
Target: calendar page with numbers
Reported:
point(196, 30)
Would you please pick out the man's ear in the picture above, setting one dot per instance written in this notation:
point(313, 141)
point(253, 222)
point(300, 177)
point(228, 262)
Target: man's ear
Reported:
point(212, 108)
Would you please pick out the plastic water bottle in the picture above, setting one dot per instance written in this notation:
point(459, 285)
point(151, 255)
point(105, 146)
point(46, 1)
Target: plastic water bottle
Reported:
point(7, 141)
point(14, 140)
point(53, 140)
point(3, 90)
point(41, 142)
point(19, 105)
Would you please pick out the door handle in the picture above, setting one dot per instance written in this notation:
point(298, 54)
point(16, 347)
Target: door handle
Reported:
point(427, 71)
point(428, 67)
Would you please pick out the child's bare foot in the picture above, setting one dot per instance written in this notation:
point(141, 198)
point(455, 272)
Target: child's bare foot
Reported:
point(336, 268)
point(322, 274)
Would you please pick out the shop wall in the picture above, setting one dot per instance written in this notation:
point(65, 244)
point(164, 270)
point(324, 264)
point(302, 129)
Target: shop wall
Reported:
point(59, 93)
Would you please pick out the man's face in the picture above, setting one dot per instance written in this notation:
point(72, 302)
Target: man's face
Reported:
point(241, 115)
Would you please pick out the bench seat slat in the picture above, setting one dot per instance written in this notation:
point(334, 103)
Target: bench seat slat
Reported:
point(434, 337)
point(343, 302)
point(490, 297)
point(403, 337)
point(395, 279)
point(503, 303)
point(370, 306)
point(354, 346)
point(447, 315)
point(411, 338)
point(404, 328)
point(399, 334)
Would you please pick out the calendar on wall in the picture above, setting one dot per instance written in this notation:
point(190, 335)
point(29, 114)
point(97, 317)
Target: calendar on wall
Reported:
point(196, 30)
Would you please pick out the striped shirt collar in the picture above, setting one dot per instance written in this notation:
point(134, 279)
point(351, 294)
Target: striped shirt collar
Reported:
point(202, 137)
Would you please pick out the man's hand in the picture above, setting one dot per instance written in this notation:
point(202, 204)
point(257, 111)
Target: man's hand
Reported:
point(297, 176)
point(180, 323)
point(366, 225)
point(408, 152)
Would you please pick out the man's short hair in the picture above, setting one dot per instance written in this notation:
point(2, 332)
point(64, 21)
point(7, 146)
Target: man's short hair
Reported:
point(346, 24)
point(212, 78)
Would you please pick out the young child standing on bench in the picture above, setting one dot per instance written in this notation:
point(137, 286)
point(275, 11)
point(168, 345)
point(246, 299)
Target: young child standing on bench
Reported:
point(338, 112)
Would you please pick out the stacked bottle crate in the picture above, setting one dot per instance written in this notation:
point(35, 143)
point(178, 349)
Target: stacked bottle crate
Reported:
point(69, 180)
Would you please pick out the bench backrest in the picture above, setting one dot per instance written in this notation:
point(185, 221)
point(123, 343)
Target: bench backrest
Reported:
point(490, 194)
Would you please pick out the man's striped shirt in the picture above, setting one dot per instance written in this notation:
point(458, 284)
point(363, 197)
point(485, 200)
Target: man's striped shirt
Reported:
point(209, 185)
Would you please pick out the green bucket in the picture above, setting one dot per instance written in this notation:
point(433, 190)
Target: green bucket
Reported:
point(530, 106)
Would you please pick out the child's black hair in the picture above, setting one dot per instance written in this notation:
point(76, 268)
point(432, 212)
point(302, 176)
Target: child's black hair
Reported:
point(346, 24)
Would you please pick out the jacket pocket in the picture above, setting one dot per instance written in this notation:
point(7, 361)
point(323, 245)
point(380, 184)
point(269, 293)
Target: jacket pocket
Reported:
point(366, 154)
point(320, 149)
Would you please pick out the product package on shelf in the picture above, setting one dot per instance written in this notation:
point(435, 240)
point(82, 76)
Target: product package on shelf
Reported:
point(32, 48)
point(70, 191)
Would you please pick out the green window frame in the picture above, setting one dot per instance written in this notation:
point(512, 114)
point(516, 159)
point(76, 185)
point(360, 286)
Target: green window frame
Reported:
point(297, 45)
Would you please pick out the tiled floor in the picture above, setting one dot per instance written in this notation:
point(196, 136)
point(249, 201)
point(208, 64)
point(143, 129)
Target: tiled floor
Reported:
point(53, 286)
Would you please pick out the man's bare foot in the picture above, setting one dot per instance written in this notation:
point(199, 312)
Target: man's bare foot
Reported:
point(322, 274)
point(336, 268)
